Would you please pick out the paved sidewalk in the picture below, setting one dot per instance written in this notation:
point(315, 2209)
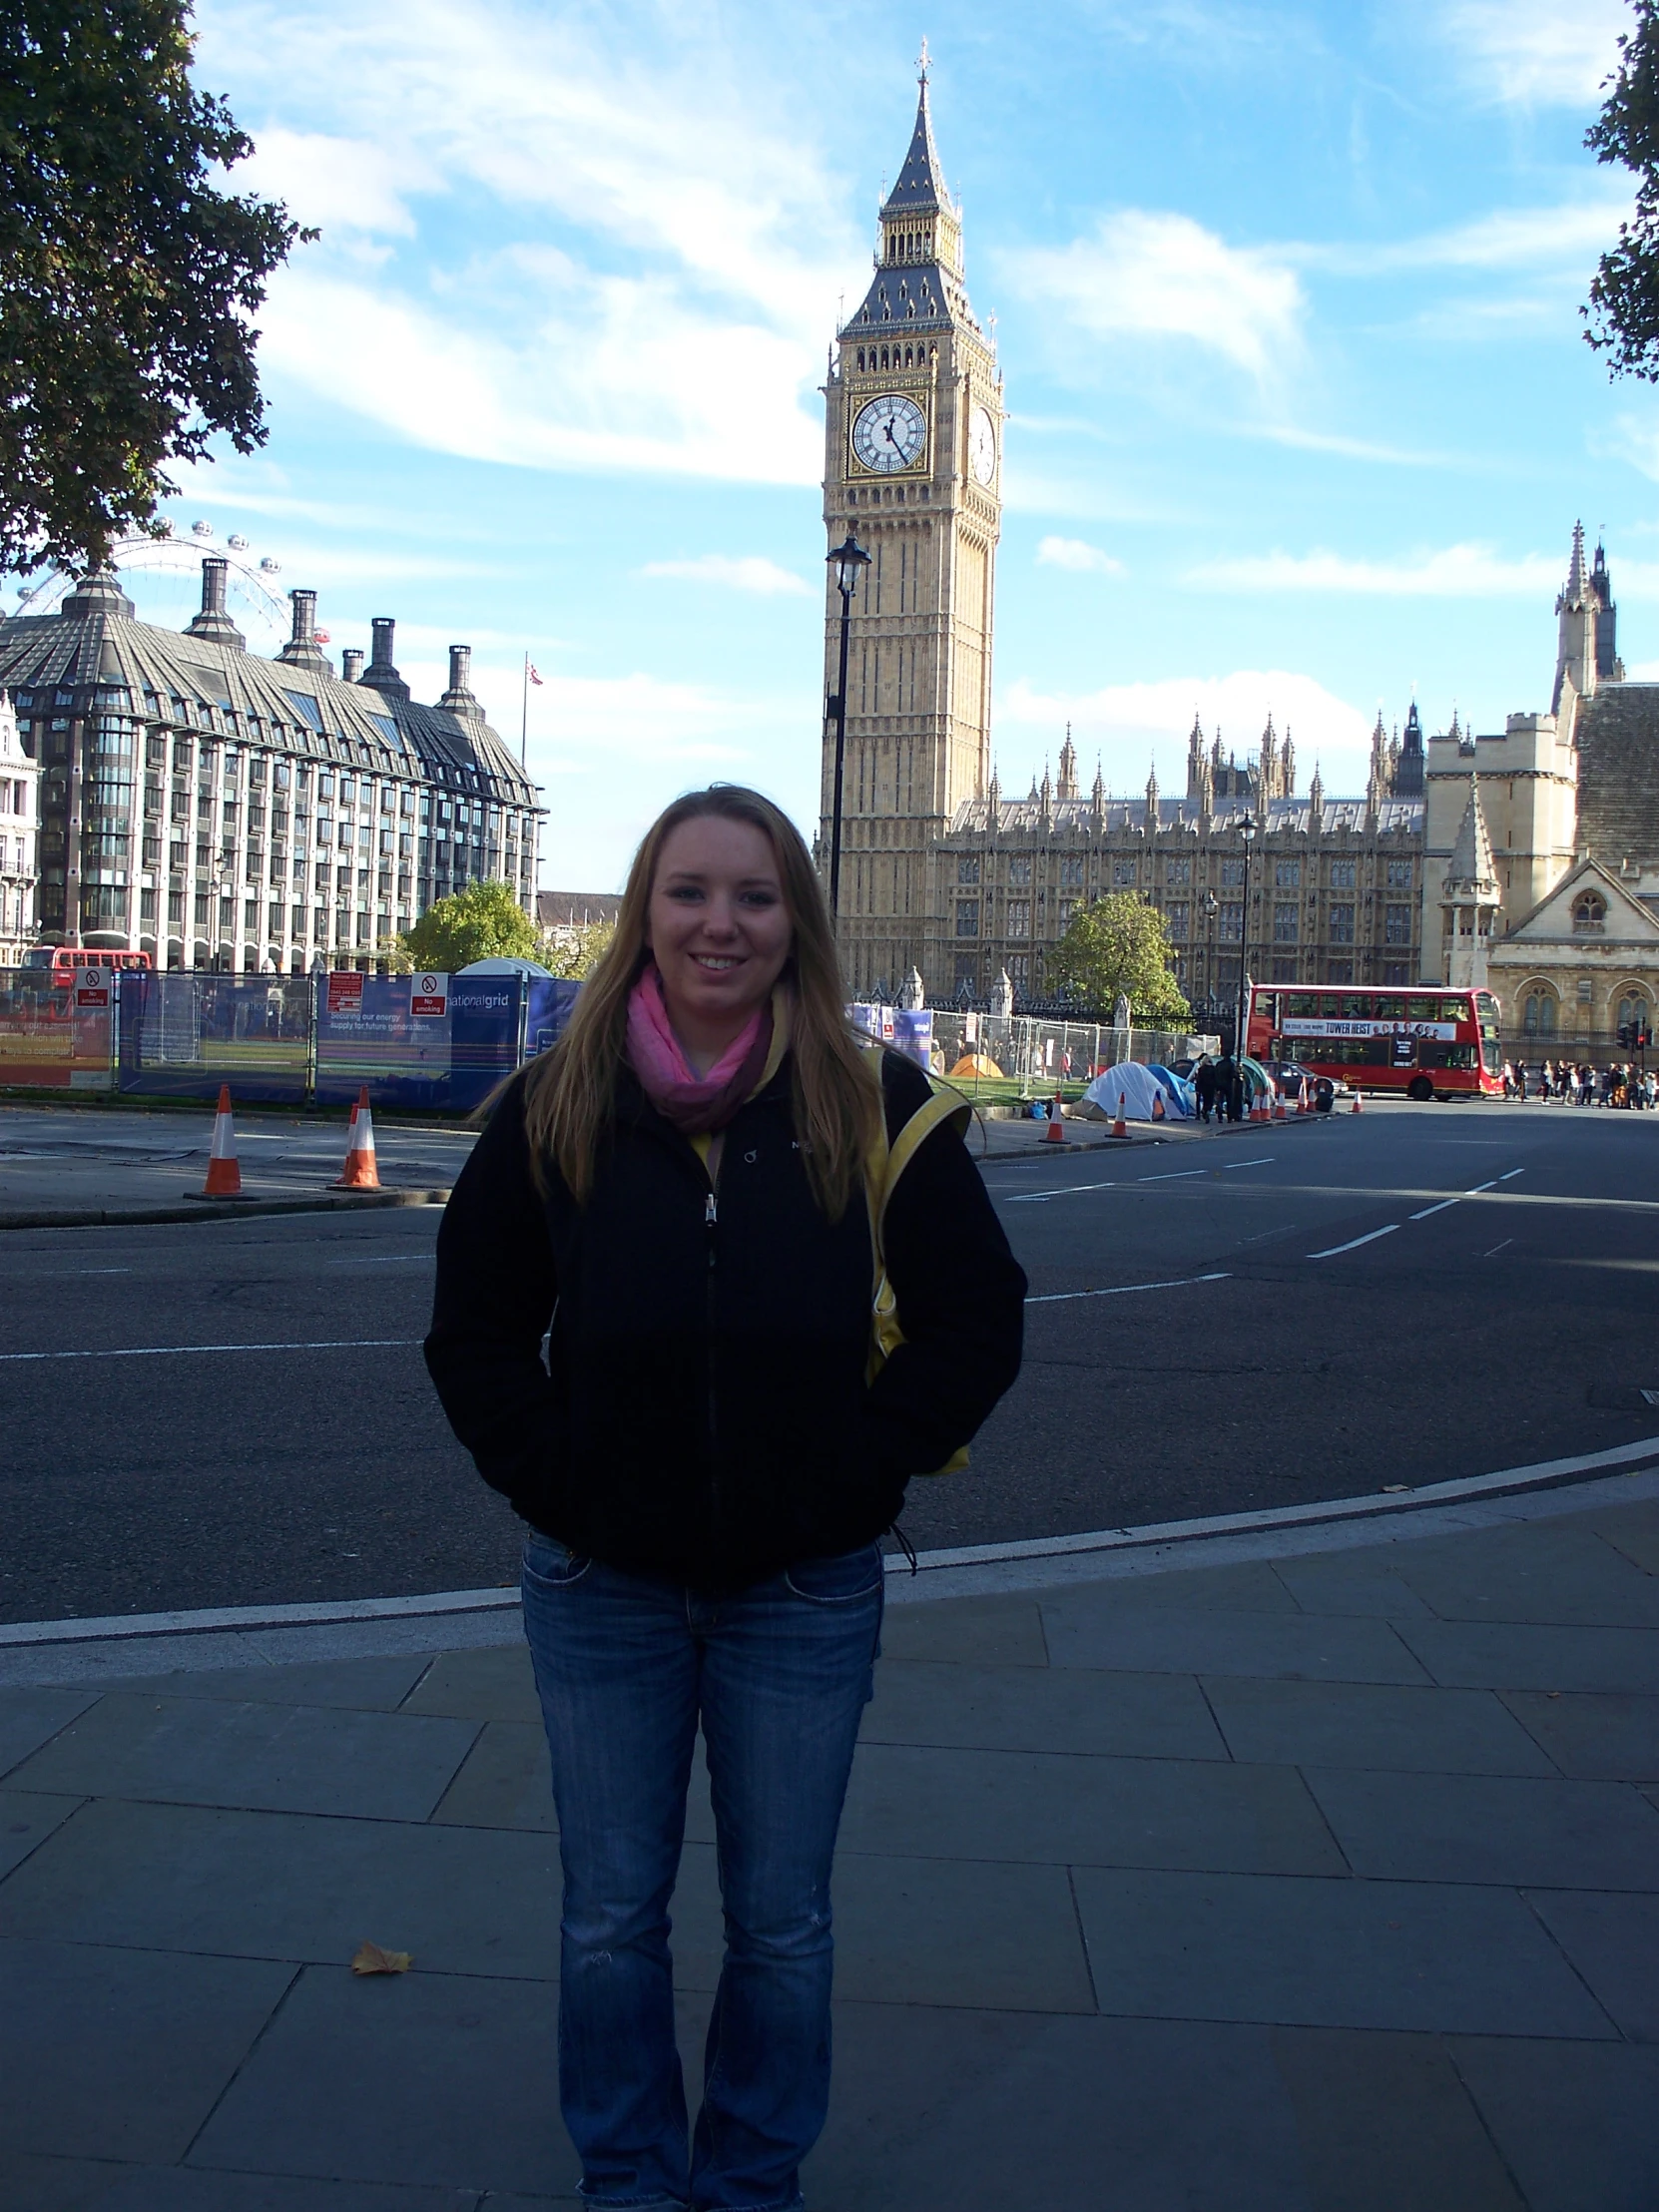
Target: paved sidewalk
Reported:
point(1316, 1880)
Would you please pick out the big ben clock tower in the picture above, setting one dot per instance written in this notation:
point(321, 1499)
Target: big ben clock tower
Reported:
point(913, 468)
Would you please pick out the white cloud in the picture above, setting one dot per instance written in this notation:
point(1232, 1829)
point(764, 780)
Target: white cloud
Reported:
point(1454, 572)
point(1535, 52)
point(651, 221)
point(1075, 553)
point(750, 572)
point(1569, 234)
point(1144, 274)
point(1125, 721)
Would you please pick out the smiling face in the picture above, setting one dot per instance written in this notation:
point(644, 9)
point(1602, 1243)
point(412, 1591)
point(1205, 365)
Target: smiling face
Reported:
point(720, 929)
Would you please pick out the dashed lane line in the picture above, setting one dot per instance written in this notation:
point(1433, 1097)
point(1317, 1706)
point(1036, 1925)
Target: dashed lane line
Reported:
point(1355, 1243)
point(174, 1351)
point(1122, 1290)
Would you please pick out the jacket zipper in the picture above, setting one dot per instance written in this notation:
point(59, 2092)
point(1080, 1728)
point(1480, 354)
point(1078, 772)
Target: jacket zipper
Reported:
point(711, 1221)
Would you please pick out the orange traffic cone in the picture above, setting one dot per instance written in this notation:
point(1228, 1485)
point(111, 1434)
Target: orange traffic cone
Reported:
point(224, 1174)
point(1055, 1133)
point(1355, 1108)
point(1120, 1127)
point(359, 1173)
point(1279, 1106)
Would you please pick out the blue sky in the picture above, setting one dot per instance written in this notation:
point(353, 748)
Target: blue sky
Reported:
point(1287, 305)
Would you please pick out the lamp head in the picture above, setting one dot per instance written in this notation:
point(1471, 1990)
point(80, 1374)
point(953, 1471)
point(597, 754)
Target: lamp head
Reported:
point(846, 560)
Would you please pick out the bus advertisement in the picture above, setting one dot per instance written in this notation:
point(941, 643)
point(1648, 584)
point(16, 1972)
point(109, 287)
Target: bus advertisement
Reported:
point(1425, 1043)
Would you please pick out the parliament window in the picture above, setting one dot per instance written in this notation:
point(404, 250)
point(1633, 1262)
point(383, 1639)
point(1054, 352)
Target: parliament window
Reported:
point(968, 918)
point(1400, 876)
point(1287, 875)
point(1071, 869)
point(1232, 872)
point(1178, 871)
point(1176, 915)
point(1019, 917)
point(1342, 875)
point(1285, 918)
point(1123, 871)
point(1232, 921)
point(1019, 870)
point(1396, 920)
point(1342, 927)
point(967, 871)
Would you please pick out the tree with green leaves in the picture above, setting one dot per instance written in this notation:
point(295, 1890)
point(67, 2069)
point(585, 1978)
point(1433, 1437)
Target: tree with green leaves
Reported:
point(483, 923)
point(575, 952)
point(1116, 944)
point(128, 279)
point(1623, 313)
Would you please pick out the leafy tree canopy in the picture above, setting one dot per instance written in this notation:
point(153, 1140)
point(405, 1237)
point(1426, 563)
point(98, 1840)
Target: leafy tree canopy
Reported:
point(1623, 307)
point(483, 923)
point(1120, 943)
point(576, 961)
point(127, 281)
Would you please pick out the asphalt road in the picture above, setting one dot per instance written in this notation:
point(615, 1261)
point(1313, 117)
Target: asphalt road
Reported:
point(1265, 1317)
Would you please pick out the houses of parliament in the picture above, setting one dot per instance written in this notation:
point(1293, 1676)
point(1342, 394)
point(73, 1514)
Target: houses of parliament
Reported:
point(944, 873)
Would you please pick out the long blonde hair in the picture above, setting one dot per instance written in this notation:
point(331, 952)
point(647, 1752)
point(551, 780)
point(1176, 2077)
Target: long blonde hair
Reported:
point(570, 1091)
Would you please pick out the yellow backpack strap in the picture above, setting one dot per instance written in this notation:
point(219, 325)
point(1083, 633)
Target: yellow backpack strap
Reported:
point(941, 1107)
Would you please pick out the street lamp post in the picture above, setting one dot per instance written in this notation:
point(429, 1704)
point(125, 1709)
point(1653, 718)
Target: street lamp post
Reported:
point(1246, 831)
point(845, 561)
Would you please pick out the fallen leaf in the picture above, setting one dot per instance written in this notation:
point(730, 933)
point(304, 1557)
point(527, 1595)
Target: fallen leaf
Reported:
point(370, 1958)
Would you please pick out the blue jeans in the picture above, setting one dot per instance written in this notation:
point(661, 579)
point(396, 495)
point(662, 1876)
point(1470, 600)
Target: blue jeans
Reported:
point(779, 1675)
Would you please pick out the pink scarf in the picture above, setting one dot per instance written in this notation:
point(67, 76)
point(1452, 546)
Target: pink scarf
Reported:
point(692, 1103)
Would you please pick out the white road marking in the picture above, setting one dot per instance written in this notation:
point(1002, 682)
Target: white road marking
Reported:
point(172, 1351)
point(1480, 1187)
point(1266, 1159)
point(1510, 1176)
point(1069, 1190)
point(1174, 1175)
point(1497, 1247)
point(1355, 1243)
point(1121, 1290)
point(1441, 1208)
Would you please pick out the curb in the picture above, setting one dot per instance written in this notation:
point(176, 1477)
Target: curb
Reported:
point(213, 1208)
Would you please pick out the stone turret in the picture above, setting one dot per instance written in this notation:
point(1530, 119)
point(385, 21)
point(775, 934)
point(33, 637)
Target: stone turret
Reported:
point(1067, 788)
point(1470, 897)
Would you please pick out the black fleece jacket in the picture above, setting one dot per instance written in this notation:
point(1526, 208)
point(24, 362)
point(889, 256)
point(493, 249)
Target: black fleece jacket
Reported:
point(702, 1411)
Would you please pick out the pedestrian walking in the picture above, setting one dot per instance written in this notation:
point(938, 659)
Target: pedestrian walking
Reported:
point(707, 1460)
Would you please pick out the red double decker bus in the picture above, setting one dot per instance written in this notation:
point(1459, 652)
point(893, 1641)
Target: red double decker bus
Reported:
point(1426, 1043)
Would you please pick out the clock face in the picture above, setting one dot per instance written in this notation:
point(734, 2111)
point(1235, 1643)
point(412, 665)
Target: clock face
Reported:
point(890, 434)
point(982, 447)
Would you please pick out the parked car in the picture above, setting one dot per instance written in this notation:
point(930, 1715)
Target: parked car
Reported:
point(1290, 1076)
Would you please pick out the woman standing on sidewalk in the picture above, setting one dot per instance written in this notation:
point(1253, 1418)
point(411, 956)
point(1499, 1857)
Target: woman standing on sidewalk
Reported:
point(678, 1189)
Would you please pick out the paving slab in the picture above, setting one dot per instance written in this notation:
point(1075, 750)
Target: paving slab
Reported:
point(1363, 1582)
point(978, 2111)
point(445, 2081)
point(1328, 1954)
point(1036, 1807)
point(199, 1751)
point(1385, 2125)
point(30, 1718)
point(26, 1820)
point(1577, 2123)
point(1491, 1828)
point(1372, 1724)
point(1561, 1575)
point(1062, 1709)
point(1605, 1738)
point(293, 1887)
point(490, 1685)
point(1495, 1655)
point(376, 1685)
point(122, 2053)
point(1249, 1586)
point(988, 1631)
point(506, 1781)
point(102, 2188)
point(1089, 1631)
point(1613, 1940)
point(1633, 1529)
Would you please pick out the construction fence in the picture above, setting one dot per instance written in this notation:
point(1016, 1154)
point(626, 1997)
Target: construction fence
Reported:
point(1030, 1056)
point(424, 1044)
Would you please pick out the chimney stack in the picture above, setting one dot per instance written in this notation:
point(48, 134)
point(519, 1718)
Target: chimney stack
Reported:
point(381, 675)
point(303, 650)
point(351, 664)
point(214, 622)
point(459, 699)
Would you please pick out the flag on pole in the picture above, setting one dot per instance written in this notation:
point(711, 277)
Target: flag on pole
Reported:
point(532, 672)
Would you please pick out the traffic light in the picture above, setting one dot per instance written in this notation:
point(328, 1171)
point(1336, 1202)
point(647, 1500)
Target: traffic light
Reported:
point(1627, 1035)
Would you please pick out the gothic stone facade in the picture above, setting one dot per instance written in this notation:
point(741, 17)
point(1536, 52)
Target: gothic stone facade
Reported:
point(216, 809)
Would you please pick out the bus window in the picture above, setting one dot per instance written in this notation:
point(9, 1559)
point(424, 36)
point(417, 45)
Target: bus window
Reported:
point(1298, 1007)
point(1434, 1009)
